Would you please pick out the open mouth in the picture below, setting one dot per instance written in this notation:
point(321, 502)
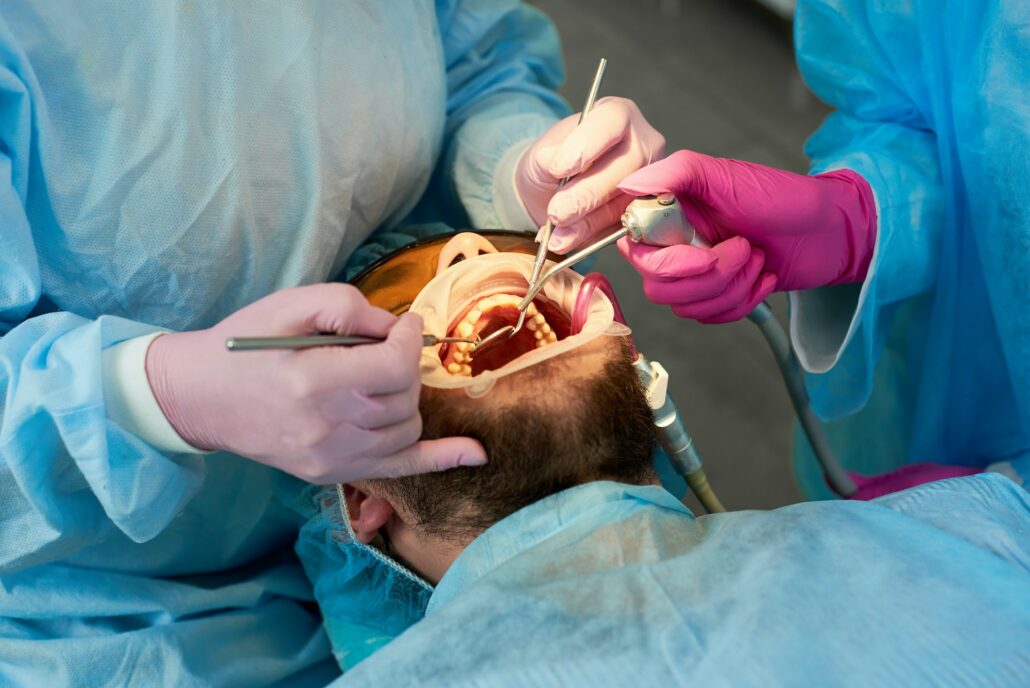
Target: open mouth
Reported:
point(545, 324)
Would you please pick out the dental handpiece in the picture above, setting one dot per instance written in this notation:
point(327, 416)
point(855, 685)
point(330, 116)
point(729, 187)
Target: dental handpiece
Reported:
point(659, 221)
point(655, 220)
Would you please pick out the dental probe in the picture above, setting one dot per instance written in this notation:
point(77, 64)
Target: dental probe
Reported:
point(655, 220)
point(264, 343)
point(548, 228)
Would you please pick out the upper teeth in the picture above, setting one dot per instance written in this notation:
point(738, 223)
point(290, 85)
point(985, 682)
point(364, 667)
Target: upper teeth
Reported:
point(535, 322)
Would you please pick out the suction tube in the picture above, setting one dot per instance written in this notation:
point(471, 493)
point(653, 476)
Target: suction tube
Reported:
point(672, 433)
point(591, 283)
point(839, 481)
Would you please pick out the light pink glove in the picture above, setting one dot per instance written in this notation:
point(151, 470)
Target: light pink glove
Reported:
point(326, 415)
point(613, 141)
point(770, 229)
point(905, 477)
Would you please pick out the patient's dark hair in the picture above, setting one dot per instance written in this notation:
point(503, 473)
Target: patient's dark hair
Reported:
point(553, 426)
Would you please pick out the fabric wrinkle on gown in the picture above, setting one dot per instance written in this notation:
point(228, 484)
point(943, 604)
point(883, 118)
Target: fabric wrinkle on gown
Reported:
point(613, 585)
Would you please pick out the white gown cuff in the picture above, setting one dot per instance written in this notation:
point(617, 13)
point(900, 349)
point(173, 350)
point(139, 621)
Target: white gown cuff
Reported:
point(129, 400)
point(823, 321)
point(510, 210)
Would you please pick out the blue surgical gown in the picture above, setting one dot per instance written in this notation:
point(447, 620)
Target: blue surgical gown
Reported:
point(161, 165)
point(933, 109)
point(616, 585)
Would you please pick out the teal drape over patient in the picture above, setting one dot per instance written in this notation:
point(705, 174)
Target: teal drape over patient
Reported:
point(617, 585)
point(933, 109)
point(161, 165)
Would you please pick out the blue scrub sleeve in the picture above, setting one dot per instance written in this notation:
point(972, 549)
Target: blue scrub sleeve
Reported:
point(878, 130)
point(503, 62)
point(68, 476)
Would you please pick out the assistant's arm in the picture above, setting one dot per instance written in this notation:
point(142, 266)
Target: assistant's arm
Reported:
point(503, 64)
point(867, 64)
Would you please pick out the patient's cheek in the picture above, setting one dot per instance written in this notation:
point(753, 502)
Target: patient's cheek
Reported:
point(545, 324)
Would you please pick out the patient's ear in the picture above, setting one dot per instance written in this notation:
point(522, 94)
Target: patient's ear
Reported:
point(368, 513)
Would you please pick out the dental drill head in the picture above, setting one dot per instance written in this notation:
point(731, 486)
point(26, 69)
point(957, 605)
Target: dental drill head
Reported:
point(479, 295)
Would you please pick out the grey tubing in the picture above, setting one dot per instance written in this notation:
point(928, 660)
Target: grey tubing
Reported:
point(679, 447)
point(790, 369)
point(678, 444)
point(698, 482)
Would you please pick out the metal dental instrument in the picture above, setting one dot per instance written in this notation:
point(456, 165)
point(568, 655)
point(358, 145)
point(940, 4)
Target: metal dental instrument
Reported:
point(264, 343)
point(495, 337)
point(548, 228)
point(656, 220)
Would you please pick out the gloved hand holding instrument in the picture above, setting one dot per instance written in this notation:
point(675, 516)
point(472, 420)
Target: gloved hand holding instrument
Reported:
point(769, 230)
point(325, 414)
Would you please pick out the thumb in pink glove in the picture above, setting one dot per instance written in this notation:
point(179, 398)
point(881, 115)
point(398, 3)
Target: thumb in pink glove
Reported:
point(613, 140)
point(325, 415)
point(810, 231)
point(871, 487)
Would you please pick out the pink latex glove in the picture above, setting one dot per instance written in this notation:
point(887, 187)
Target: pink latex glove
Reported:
point(613, 141)
point(325, 415)
point(769, 229)
point(871, 487)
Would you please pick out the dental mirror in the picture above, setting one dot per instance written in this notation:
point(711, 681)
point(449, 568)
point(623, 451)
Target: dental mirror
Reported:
point(493, 338)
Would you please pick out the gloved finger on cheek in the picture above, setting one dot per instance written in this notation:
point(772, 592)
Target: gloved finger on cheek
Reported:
point(761, 290)
point(603, 127)
point(436, 455)
point(668, 263)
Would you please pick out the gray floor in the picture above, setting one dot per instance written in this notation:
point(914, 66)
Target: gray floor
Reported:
point(716, 76)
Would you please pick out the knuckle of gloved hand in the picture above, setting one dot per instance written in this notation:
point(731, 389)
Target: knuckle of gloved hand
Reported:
point(686, 161)
point(402, 436)
point(342, 303)
point(309, 431)
point(363, 411)
point(323, 466)
point(655, 291)
point(652, 147)
point(618, 103)
point(302, 383)
point(402, 371)
point(685, 310)
point(407, 406)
